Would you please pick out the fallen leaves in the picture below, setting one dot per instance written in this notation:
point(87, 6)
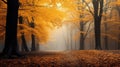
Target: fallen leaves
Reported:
point(82, 58)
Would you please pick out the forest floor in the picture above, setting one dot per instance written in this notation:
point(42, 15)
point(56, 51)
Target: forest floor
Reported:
point(80, 58)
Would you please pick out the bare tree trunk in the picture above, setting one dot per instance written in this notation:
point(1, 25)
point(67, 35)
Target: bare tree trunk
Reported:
point(33, 43)
point(118, 41)
point(11, 46)
point(118, 8)
point(97, 34)
point(106, 37)
point(106, 27)
point(71, 39)
point(97, 21)
point(24, 44)
point(37, 46)
point(32, 24)
point(81, 36)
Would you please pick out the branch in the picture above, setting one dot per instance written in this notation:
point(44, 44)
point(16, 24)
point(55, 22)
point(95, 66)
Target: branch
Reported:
point(87, 30)
point(106, 4)
point(4, 1)
point(88, 7)
point(101, 8)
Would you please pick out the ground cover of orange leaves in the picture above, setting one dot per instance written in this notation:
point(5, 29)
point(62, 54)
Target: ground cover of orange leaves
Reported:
point(80, 58)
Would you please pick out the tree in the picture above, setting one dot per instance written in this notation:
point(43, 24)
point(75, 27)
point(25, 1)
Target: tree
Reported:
point(84, 23)
point(105, 9)
point(24, 44)
point(46, 16)
point(11, 46)
point(97, 21)
point(118, 9)
point(32, 25)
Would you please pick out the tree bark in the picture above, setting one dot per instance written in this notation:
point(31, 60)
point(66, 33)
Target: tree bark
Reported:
point(119, 41)
point(11, 46)
point(33, 43)
point(81, 36)
point(97, 34)
point(98, 10)
point(106, 37)
point(33, 48)
point(106, 28)
point(24, 44)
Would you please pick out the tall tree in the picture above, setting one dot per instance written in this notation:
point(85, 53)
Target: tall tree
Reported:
point(24, 44)
point(82, 42)
point(106, 25)
point(118, 9)
point(119, 40)
point(11, 46)
point(32, 25)
point(85, 21)
point(98, 10)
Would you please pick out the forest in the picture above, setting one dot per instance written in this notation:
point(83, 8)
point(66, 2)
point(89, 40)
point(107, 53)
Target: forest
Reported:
point(60, 33)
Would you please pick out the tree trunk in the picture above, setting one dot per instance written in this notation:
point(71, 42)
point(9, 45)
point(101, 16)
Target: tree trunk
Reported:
point(106, 37)
point(71, 39)
point(37, 47)
point(118, 8)
point(33, 48)
point(24, 44)
point(11, 46)
point(97, 34)
point(119, 41)
point(33, 43)
point(81, 36)
point(98, 10)
point(106, 29)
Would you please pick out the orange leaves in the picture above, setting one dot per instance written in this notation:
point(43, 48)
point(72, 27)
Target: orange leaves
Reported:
point(47, 14)
point(115, 3)
point(81, 58)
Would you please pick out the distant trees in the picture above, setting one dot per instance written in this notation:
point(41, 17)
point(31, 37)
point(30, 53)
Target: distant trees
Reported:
point(85, 22)
point(117, 6)
point(33, 44)
point(24, 43)
point(40, 20)
point(38, 17)
point(105, 9)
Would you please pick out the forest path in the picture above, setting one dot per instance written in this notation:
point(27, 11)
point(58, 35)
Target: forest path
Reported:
point(80, 58)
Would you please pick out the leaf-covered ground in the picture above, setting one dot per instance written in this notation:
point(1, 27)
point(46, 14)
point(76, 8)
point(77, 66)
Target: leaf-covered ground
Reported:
point(82, 58)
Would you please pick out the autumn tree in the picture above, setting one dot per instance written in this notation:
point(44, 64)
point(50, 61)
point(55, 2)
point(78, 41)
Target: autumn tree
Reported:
point(98, 10)
point(44, 19)
point(11, 46)
point(24, 43)
point(116, 5)
point(85, 21)
point(32, 25)
point(105, 18)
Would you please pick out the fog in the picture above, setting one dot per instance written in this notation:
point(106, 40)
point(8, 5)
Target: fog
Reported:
point(62, 39)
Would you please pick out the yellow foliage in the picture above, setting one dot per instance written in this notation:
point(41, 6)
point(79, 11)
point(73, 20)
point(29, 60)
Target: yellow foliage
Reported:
point(47, 14)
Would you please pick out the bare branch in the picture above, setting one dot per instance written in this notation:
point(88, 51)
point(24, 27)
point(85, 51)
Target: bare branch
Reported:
point(88, 30)
point(88, 7)
point(4, 1)
point(101, 8)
